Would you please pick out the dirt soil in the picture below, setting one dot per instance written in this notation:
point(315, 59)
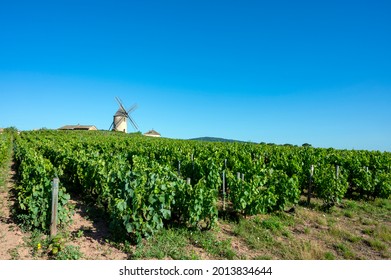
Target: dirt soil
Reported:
point(11, 236)
point(92, 236)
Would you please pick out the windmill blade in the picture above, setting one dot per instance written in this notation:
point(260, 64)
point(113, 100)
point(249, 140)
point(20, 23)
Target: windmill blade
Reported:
point(133, 123)
point(120, 104)
point(111, 126)
point(118, 101)
point(134, 107)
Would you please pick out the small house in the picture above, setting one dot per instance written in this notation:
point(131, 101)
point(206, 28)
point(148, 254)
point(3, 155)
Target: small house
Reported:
point(78, 127)
point(152, 133)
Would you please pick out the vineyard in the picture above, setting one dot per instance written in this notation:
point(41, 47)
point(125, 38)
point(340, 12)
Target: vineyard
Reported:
point(145, 184)
point(5, 145)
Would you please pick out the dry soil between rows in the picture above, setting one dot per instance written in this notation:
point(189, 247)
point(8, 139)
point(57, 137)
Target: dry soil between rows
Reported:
point(12, 245)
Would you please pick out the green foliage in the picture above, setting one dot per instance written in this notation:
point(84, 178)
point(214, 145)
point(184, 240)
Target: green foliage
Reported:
point(143, 198)
point(268, 191)
point(56, 245)
point(254, 196)
point(330, 184)
point(286, 189)
point(5, 156)
point(383, 184)
point(34, 190)
point(273, 224)
point(5, 146)
point(329, 256)
point(197, 204)
point(69, 252)
point(142, 187)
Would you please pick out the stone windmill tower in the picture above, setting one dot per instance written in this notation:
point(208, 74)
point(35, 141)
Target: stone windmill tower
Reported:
point(121, 117)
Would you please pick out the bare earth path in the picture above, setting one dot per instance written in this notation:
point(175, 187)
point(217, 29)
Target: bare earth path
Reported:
point(91, 236)
point(11, 236)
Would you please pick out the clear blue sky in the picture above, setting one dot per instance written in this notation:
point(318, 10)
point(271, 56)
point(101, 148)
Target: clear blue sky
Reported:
point(265, 71)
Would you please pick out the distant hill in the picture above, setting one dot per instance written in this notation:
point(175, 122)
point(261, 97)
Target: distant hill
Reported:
point(216, 139)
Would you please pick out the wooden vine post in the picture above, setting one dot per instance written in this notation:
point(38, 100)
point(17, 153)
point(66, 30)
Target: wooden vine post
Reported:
point(225, 167)
point(310, 185)
point(337, 171)
point(192, 166)
point(223, 190)
point(53, 223)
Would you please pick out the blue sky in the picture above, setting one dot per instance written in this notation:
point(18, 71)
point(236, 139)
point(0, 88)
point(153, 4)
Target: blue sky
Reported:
point(265, 71)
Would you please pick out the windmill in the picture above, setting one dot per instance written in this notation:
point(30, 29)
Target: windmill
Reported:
point(120, 122)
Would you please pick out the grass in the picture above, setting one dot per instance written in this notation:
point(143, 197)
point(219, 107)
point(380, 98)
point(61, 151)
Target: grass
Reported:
point(376, 244)
point(336, 234)
point(183, 244)
point(345, 251)
point(354, 230)
point(254, 235)
point(348, 213)
point(274, 235)
point(70, 252)
point(383, 233)
point(307, 234)
point(329, 256)
point(2, 180)
point(221, 249)
point(38, 243)
point(343, 234)
point(14, 254)
point(167, 244)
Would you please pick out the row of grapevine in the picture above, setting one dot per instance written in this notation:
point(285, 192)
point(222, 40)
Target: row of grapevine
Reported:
point(142, 182)
point(34, 176)
point(140, 195)
point(5, 145)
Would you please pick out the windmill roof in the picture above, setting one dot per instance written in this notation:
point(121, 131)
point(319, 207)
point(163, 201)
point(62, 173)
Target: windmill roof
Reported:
point(152, 132)
point(121, 112)
point(78, 127)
